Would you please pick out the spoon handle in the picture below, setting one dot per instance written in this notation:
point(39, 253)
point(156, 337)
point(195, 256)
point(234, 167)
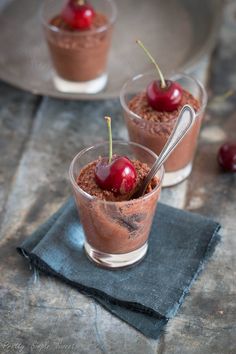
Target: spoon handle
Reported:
point(184, 123)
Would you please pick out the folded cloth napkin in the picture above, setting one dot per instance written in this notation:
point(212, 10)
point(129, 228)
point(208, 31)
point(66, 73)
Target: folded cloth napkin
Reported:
point(147, 295)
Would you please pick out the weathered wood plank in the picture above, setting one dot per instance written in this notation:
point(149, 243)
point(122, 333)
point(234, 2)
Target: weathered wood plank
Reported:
point(16, 113)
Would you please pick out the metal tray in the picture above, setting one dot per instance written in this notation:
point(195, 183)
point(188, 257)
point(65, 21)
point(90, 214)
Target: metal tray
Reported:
point(177, 32)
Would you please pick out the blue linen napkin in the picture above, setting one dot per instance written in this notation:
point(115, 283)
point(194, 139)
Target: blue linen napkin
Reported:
point(147, 295)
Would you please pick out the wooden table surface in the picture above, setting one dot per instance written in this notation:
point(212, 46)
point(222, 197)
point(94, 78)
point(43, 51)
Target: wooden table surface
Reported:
point(38, 138)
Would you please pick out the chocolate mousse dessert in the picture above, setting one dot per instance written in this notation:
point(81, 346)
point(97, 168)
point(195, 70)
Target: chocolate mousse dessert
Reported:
point(114, 222)
point(122, 226)
point(79, 40)
point(154, 136)
point(151, 115)
point(116, 188)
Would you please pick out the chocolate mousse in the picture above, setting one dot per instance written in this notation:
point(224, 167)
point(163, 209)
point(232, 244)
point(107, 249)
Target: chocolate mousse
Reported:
point(79, 54)
point(150, 117)
point(122, 225)
point(114, 221)
point(153, 128)
point(140, 106)
point(86, 180)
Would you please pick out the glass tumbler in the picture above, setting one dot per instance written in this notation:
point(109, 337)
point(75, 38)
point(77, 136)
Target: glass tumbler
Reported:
point(79, 57)
point(116, 233)
point(155, 134)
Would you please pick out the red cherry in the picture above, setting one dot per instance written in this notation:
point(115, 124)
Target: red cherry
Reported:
point(78, 15)
point(164, 99)
point(162, 95)
point(227, 157)
point(119, 176)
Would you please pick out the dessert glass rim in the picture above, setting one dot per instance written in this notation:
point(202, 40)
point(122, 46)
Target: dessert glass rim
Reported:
point(173, 76)
point(103, 28)
point(89, 196)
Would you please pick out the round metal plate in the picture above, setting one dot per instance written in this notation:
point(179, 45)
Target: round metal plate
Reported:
point(177, 32)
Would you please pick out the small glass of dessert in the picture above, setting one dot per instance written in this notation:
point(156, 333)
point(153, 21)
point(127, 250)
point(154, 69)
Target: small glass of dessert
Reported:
point(78, 35)
point(151, 108)
point(116, 225)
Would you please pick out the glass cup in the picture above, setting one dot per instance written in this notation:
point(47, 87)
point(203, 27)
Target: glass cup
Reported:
point(79, 57)
point(155, 134)
point(116, 233)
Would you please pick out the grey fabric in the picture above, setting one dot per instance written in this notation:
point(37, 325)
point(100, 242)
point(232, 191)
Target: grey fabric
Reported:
point(145, 296)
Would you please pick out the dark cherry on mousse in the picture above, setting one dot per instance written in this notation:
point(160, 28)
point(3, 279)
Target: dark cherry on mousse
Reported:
point(78, 14)
point(116, 173)
point(227, 157)
point(162, 95)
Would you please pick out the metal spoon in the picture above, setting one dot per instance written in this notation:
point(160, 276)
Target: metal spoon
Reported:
point(184, 123)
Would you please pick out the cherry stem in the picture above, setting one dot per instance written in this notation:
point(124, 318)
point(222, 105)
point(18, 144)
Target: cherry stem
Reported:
point(80, 2)
point(108, 119)
point(163, 83)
